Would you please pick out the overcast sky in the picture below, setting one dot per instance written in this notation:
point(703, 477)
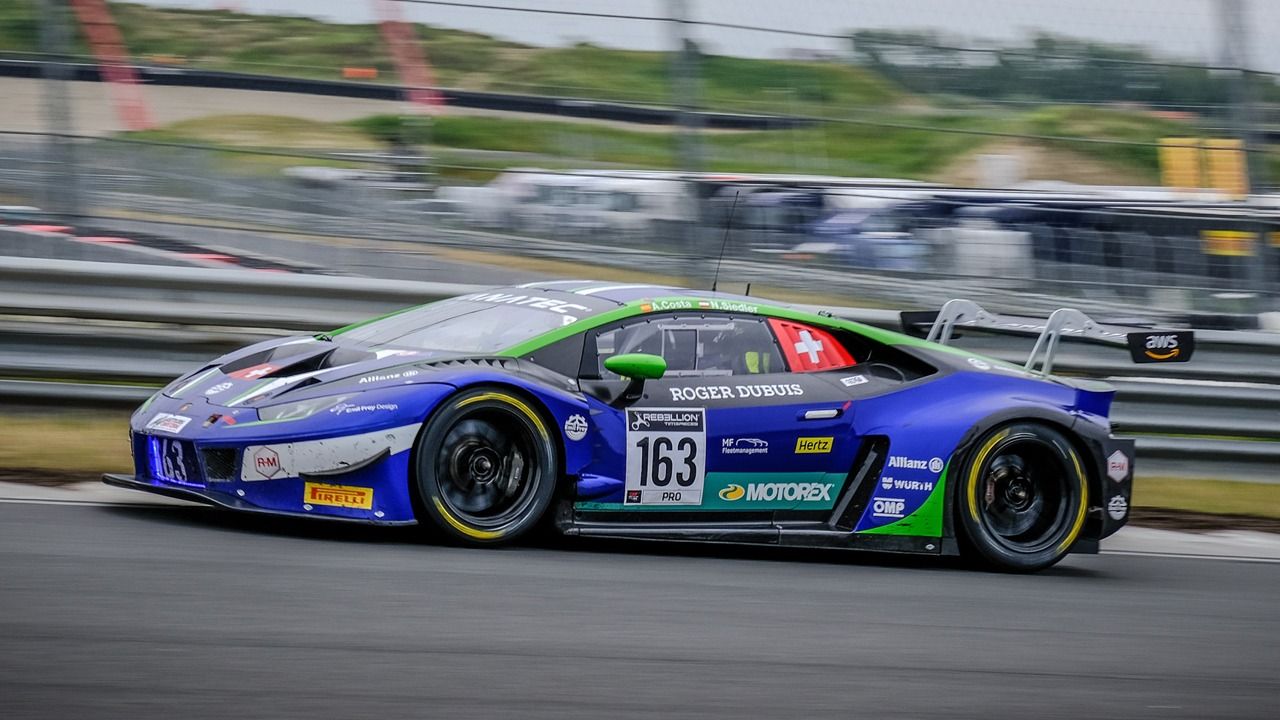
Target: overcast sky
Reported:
point(1181, 29)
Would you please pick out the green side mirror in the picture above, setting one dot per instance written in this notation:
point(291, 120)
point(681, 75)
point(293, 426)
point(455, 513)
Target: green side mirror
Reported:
point(637, 366)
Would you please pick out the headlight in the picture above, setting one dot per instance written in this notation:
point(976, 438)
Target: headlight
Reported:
point(301, 409)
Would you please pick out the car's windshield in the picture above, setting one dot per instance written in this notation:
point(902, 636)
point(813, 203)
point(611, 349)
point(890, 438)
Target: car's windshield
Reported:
point(483, 323)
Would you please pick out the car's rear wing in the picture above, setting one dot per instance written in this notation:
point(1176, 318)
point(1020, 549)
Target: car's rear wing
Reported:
point(1145, 345)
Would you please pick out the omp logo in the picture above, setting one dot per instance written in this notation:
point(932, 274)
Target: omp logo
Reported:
point(888, 507)
point(1162, 347)
point(814, 445)
point(343, 496)
point(733, 493)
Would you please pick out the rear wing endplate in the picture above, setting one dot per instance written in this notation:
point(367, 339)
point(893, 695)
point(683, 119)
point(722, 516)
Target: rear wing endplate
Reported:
point(1145, 345)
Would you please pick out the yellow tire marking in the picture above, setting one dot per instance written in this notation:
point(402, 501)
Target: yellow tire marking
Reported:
point(978, 459)
point(1084, 503)
point(465, 529)
point(533, 416)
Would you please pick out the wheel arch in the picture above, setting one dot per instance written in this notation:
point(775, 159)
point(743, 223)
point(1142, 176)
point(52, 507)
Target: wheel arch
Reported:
point(1077, 433)
point(521, 393)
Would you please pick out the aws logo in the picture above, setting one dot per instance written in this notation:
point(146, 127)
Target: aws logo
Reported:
point(1162, 347)
point(1149, 347)
point(733, 492)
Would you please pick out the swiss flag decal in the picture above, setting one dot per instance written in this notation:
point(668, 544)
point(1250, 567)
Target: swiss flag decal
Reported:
point(254, 372)
point(809, 349)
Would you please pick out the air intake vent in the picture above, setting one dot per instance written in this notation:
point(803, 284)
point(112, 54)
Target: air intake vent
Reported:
point(220, 464)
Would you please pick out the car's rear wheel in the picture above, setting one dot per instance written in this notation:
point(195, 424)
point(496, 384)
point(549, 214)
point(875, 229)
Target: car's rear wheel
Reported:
point(1022, 498)
point(486, 467)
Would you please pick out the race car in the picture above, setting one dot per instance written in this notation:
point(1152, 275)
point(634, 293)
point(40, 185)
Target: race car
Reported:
point(639, 411)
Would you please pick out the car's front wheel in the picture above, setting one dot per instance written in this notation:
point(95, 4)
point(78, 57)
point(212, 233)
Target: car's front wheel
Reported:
point(486, 466)
point(1022, 498)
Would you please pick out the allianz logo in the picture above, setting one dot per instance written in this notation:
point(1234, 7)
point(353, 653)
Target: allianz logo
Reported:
point(902, 462)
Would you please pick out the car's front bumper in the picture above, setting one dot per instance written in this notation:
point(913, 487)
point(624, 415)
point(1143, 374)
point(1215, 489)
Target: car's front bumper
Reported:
point(222, 500)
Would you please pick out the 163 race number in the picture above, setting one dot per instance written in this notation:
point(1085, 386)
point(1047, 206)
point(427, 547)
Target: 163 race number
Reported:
point(665, 456)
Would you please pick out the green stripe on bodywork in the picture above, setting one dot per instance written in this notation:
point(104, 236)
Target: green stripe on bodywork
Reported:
point(362, 323)
point(926, 521)
point(691, 304)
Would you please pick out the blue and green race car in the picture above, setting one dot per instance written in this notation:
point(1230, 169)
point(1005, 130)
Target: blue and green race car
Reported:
point(638, 411)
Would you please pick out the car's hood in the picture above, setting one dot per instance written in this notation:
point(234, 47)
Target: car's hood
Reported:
point(300, 368)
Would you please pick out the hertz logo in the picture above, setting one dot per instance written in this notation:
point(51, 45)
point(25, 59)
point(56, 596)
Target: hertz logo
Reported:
point(732, 493)
point(343, 496)
point(813, 445)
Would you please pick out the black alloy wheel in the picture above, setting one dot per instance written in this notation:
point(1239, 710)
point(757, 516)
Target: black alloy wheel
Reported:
point(1022, 497)
point(485, 466)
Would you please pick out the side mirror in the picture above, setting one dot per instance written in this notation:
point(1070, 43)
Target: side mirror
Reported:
point(636, 367)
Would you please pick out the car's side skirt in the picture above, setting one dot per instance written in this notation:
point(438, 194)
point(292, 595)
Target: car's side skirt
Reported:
point(810, 535)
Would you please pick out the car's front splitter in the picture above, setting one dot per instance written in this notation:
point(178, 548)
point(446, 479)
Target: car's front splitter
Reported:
point(228, 502)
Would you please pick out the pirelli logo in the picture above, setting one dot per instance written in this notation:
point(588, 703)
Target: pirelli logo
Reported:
point(343, 496)
point(813, 445)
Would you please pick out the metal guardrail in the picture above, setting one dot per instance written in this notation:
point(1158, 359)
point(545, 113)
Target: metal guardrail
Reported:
point(106, 334)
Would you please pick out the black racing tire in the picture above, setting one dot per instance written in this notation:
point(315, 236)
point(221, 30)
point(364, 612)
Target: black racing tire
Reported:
point(485, 467)
point(1021, 500)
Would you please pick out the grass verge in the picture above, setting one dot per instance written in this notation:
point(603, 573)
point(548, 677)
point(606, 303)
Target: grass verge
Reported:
point(919, 147)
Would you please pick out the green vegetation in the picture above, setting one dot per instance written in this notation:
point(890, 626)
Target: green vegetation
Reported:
point(1223, 497)
point(890, 146)
point(880, 129)
point(300, 46)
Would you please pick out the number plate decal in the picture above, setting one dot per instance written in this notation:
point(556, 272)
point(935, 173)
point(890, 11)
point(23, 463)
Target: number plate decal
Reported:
point(666, 456)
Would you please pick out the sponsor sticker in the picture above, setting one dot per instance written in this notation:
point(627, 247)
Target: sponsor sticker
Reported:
point(1118, 466)
point(814, 445)
point(568, 309)
point(666, 456)
point(1118, 507)
point(266, 462)
point(345, 408)
point(733, 492)
point(343, 496)
point(575, 427)
point(774, 491)
point(168, 422)
point(888, 508)
point(744, 446)
point(902, 462)
point(220, 387)
point(1157, 347)
point(892, 483)
point(389, 376)
point(854, 380)
point(732, 392)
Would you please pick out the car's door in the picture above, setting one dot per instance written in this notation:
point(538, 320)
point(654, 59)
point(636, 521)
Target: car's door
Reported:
point(734, 426)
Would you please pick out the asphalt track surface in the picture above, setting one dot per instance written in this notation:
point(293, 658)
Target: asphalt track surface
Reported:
point(177, 612)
